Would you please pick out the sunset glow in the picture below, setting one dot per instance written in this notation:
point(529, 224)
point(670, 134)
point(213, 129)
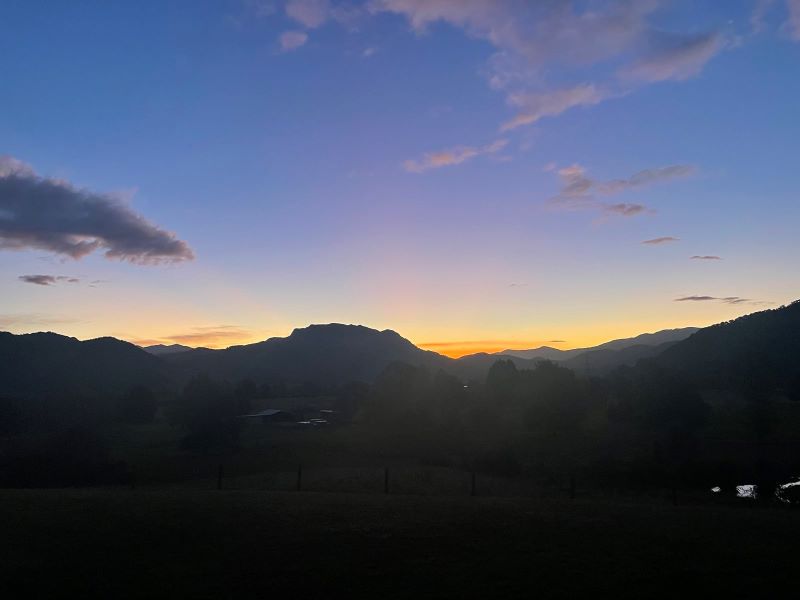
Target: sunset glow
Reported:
point(475, 176)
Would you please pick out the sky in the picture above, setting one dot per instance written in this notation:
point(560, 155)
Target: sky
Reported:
point(473, 174)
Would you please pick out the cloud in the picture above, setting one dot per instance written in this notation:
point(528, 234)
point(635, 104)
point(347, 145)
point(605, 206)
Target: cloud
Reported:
point(533, 38)
point(216, 336)
point(660, 240)
point(760, 10)
point(579, 191)
point(261, 8)
point(625, 210)
point(47, 279)
point(793, 23)
point(536, 105)
point(644, 178)
point(32, 320)
point(763, 7)
point(53, 215)
point(292, 40)
point(367, 52)
point(452, 156)
point(674, 57)
point(698, 257)
point(311, 13)
point(315, 13)
point(38, 279)
point(724, 300)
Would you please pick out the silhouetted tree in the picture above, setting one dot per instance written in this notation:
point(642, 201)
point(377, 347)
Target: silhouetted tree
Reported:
point(246, 391)
point(207, 411)
point(138, 405)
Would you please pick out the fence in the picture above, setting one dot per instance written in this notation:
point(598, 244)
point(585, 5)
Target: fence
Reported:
point(431, 481)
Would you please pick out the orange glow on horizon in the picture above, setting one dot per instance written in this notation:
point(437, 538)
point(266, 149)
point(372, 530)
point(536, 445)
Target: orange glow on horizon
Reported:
point(464, 348)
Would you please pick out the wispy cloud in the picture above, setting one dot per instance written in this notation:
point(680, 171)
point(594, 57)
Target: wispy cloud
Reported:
point(48, 279)
point(292, 40)
point(579, 191)
point(757, 17)
point(674, 57)
point(27, 321)
point(534, 106)
point(532, 39)
point(706, 257)
point(452, 156)
point(763, 8)
point(625, 209)
point(217, 336)
point(793, 22)
point(51, 214)
point(723, 299)
point(311, 13)
point(660, 240)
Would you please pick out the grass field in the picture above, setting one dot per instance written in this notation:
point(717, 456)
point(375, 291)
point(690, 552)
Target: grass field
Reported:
point(245, 544)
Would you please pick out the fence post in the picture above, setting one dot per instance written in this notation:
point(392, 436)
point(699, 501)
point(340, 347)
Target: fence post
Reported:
point(299, 477)
point(386, 480)
point(219, 477)
point(472, 485)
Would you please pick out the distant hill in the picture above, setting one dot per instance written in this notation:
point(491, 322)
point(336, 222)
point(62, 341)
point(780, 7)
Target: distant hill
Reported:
point(48, 363)
point(332, 353)
point(45, 363)
point(605, 360)
point(161, 349)
point(761, 349)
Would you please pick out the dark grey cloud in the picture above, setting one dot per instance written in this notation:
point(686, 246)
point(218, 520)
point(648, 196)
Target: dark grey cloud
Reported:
point(38, 279)
point(49, 214)
point(48, 279)
point(723, 299)
point(624, 209)
point(579, 191)
point(661, 240)
point(706, 257)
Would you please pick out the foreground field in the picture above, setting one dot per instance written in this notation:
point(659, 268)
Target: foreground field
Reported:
point(208, 544)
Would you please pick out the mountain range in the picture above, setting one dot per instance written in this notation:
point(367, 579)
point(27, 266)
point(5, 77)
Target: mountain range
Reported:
point(646, 339)
point(48, 363)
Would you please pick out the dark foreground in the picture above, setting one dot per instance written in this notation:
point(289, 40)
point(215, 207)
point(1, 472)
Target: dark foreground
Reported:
point(190, 544)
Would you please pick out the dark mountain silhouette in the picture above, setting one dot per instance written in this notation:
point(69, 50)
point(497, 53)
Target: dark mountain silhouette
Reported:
point(161, 349)
point(332, 353)
point(474, 367)
point(760, 350)
point(541, 353)
point(50, 364)
point(646, 339)
point(765, 343)
point(605, 360)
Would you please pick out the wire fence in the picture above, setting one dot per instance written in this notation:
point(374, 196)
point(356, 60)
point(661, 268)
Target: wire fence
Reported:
point(437, 481)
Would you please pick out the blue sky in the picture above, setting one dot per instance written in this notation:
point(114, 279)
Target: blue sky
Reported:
point(473, 174)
